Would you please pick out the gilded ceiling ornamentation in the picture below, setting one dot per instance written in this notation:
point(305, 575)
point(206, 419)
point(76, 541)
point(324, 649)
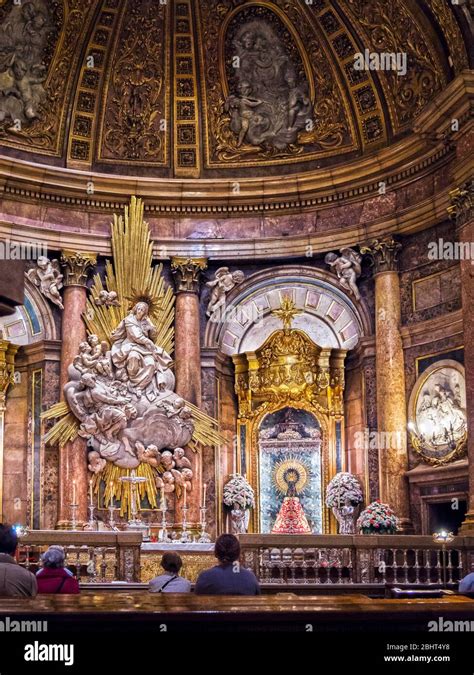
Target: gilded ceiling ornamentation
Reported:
point(267, 99)
point(136, 111)
point(445, 17)
point(391, 28)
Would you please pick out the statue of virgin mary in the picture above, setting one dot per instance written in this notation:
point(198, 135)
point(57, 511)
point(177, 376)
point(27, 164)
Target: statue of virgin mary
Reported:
point(137, 358)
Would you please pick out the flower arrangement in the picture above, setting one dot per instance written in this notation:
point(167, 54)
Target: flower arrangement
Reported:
point(344, 486)
point(377, 518)
point(239, 491)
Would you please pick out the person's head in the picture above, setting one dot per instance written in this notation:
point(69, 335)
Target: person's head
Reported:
point(88, 380)
point(140, 310)
point(171, 562)
point(54, 557)
point(227, 548)
point(93, 340)
point(8, 539)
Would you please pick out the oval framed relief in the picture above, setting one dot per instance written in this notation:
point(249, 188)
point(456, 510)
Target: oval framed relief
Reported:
point(437, 413)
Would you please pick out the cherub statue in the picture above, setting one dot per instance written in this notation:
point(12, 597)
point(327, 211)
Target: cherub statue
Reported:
point(168, 481)
point(347, 267)
point(107, 299)
point(187, 475)
point(242, 113)
point(167, 460)
point(149, 455)
point(223, 282)
point(85, 360)
point(47, 276)
point(180, 459)
point(96, 349)
point(104, 364)
point(96, 462)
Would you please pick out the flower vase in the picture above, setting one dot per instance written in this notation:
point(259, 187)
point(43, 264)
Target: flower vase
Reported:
point(346, 517)
point(239, 519)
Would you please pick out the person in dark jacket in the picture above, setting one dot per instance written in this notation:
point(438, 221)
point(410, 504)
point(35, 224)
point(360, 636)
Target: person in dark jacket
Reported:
point(228, 577)
point(53, 577)
point(15, 581)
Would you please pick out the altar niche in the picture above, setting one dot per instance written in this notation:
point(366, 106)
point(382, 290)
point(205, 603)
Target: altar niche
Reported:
point(290, 375)
point(290, 466)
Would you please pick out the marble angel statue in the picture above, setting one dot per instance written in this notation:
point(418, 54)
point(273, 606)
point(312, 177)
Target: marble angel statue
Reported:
point(224, 281)
point(347, 266)
point(47, 276)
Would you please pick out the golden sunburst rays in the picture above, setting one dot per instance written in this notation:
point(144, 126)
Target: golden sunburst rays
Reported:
point(134, 279)
point(65, 429)
point(290, 470)
point(116, 490)
point(205, 429)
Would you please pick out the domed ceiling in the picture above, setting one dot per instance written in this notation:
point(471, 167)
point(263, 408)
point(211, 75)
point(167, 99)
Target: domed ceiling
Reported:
point(216, 88)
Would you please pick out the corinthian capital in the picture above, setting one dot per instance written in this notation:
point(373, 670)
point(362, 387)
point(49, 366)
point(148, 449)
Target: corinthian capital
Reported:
point(187, 273)
point(383, 254)
point(462, 203)
point(76, 267)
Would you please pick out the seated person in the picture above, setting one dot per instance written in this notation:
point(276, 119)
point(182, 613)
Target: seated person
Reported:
point(228, 577)
point(15, 581)
point(170, 581)
point(53, 578)
point(466, 585)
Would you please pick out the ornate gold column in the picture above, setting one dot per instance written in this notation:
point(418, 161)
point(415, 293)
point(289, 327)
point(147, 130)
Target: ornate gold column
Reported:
point(72, 457)
point(390, 378)
point(187, 352)
point(462, 211)
point(7, 366)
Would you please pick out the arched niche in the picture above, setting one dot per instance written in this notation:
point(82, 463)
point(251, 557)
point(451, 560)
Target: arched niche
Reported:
point(329, 316)
point(31, 322)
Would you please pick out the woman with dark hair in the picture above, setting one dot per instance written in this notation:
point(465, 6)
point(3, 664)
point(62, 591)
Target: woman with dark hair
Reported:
point(228, 577)
point(54, 578)
point(170, 581)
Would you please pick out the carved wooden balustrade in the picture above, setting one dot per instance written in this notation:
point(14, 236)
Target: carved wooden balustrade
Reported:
point(347, 559)
point(91, 556)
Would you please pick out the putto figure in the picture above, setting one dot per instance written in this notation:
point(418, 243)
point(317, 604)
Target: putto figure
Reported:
point(347, 267)
point(47, 276)
point(224, 281)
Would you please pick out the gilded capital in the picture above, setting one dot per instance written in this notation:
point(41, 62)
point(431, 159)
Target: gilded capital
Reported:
point(462, 203)
point(7, 368)
point(187, 273)
point(76, 267)
point(383, 254)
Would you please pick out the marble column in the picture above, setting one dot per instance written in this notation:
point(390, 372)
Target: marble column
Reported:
point(7, 367)
point(462, 211)
point(72, 457)
point(390, 379)
point(187, 354)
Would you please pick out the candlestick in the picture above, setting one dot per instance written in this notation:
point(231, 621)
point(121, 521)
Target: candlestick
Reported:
point(204, 538)
point(91, 525)
point(74, 508)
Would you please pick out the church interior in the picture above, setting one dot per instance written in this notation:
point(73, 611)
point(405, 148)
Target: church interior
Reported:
point(237, 296)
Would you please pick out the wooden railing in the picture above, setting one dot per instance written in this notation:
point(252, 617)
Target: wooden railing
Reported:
point(346, 559)
point(91, 556)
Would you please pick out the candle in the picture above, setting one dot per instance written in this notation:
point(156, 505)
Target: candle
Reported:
point(184, 502)
point(91, 497)
point(204, 495)
point(163, 502)
point(73, 491)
